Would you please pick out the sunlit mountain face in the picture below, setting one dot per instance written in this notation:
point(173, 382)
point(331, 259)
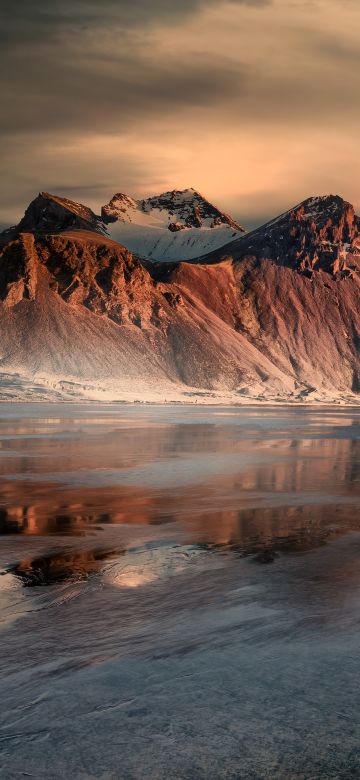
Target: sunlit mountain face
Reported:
point(267, 315)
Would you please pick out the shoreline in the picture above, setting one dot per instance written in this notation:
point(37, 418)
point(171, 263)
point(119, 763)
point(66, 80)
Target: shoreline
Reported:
point(232, 404)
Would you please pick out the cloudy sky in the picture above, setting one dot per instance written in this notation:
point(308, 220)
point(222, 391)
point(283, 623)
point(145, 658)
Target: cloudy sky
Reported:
point(253, 102)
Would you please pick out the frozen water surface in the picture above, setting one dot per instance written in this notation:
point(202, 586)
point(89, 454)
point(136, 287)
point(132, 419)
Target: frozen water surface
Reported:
point(179, 592)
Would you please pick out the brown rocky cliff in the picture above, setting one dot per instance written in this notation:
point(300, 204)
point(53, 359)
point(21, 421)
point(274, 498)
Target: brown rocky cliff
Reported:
point(308, 327)
point(18, 270)
point(98, 313)
point(321, 233)
point(77, 304)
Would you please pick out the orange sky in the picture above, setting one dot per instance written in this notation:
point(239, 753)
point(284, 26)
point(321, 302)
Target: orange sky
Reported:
point(253, 103)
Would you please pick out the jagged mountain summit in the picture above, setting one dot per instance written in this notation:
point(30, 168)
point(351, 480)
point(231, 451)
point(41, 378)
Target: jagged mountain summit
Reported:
point(50, 214)
point(177, 225)
point(278, 318)
point(321, 233)
point(178, 209)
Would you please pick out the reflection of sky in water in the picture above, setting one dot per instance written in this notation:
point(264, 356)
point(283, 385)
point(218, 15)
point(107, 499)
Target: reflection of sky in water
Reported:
point(150, 564)
point(164, 472)
point(157, 470)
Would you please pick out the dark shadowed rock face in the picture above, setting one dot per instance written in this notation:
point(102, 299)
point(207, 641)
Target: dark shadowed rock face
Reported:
point(50, 214)
point(321, 233)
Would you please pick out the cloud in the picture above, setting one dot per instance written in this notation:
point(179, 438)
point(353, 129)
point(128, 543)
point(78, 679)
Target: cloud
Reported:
point(29, 21)
point(85, 92)
point(136, 95)
point(80, 65)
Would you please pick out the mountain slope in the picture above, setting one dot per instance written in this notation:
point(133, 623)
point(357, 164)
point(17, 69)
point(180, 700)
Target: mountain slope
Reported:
point(321, 233)
point(177, 225)
point(77, 310)
point(81, 316)
point(308, 328)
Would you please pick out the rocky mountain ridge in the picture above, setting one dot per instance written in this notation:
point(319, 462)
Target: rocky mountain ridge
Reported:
point(81, 316)
point(321, 233)
point(51, 214)
point(174, 226)
point(177, 210)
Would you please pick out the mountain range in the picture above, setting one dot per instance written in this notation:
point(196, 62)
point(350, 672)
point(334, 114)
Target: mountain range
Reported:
point(169, 299)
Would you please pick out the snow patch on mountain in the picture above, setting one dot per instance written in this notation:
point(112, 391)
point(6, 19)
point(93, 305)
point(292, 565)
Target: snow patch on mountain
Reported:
point(177, 225)
point(160, 244)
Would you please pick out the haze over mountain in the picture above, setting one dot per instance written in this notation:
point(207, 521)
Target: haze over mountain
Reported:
point(272, 314)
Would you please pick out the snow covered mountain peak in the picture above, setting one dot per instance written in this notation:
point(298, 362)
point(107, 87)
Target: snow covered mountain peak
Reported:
point(119, 207)
point(183, 208)
point(176, 225)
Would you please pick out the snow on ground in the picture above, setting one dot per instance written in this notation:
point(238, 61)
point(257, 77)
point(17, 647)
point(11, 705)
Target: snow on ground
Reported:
point(50, 388)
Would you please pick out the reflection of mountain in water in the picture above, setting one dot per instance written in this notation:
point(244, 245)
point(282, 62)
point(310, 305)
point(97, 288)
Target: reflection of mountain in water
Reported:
point(61, 566)
point(258, 532)
point(46, 508)
point(265, 531)
point(288, 494)
point(38, 448)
